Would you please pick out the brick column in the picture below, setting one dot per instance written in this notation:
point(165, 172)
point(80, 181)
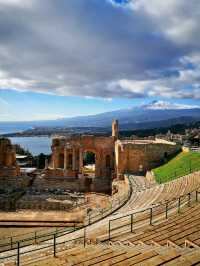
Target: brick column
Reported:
point(80, 159)
point(65, 158)
point(74, 159)
point(55, 158)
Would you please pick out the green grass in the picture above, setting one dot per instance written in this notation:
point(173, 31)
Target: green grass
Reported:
point(183, 164)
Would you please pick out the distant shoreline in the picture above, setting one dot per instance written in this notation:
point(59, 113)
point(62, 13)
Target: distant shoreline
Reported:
point(24, 134)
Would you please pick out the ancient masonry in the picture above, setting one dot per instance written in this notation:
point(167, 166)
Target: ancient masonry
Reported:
point(113, 156)
point(8, 165)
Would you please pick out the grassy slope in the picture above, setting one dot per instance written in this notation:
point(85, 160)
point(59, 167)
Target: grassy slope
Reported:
point(181, 165)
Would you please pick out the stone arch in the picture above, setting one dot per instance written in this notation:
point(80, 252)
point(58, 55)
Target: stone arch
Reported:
point(89, 162)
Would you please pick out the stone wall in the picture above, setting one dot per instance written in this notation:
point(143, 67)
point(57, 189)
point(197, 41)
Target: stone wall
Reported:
point(67, 154)
point(141, 156)
point(9, 182)
point(82, 184)
point(113, 158)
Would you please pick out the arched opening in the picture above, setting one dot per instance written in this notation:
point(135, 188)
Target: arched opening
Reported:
point(70, 161)
point(166, 157)
point(89, 163)
point(61, 160)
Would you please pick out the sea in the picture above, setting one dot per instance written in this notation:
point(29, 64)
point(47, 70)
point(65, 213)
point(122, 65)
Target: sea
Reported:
point(35, 145)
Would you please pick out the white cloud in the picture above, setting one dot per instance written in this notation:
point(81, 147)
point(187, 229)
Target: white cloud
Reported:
point(46, 116)
point(177, 19)
point(17, 3)
point(160, 105)
point(91, 48)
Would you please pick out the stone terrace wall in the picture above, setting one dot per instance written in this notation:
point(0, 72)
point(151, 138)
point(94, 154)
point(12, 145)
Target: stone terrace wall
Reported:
point(83, 184)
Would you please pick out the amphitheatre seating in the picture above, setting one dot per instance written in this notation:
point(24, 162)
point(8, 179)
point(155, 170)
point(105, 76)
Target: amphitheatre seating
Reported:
point(181, 230)
point(155, 197)
point(172, 241)
point(140, 182)
point(123, 254)
point(161, 193)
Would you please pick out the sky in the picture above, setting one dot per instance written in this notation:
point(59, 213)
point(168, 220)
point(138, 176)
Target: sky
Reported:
point(77, 57)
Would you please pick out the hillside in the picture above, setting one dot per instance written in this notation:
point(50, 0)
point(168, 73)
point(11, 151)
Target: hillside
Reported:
point(154, 115)
point(183, 164)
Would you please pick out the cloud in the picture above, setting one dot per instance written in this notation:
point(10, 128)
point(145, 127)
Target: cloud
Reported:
point(177, 19)
point(134, 49)
point(160, 105)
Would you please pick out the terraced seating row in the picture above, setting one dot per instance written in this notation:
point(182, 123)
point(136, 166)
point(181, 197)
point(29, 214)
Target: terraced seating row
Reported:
point(155, 195)
point(178, 229)
point(120, 254)
point(162, 193)
point(154, 198)
point(140, 182)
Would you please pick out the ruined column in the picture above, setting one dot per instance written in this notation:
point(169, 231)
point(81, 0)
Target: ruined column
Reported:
point(115, 129)
point(65, 158)
point(74, 159)
point(46, 164)
point(55, 159)
point(80, 159)
point(8, 163)
point(98, 164)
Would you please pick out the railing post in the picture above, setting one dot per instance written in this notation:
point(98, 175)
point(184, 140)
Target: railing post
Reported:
point(131, 223)
point(151, 215)
point(89, 219)
point(166, 210)
point(179, 204)
point(18, 253)
point(189, 197)
point(197, 192)
point(54, 245)
point(109, 230)
point(84, 236)
point(11, 242)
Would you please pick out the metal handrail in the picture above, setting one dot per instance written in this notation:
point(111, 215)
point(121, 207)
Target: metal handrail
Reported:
point(166, 203)
point(35, 238)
